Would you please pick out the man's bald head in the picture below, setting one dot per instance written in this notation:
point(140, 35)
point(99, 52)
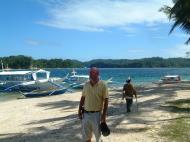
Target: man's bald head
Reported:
point(94, 70)
point(94, 75)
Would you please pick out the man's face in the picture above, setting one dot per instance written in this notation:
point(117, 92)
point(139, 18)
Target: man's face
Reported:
point(94, 74)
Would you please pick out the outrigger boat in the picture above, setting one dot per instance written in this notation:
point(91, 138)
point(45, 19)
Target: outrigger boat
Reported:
point(27, 81)
point(21, 80)
point(31, 83)
point(44, 93)
point(77, 81)
point(170, 79)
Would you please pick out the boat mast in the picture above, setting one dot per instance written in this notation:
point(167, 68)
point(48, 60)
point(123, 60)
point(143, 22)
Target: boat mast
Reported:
point(74, 72)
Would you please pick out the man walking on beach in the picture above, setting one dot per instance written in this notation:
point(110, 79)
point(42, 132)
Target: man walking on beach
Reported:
point(93, 106)
point(128, 92)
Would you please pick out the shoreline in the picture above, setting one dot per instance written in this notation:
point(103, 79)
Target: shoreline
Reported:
point(54, 118)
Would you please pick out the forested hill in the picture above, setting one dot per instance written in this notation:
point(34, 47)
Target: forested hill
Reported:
point(25, 62)
point(140, 63)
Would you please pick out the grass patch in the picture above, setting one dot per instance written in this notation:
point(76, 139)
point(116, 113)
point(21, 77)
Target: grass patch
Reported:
point(180, 103)
point(178, 129)
point(178, 106)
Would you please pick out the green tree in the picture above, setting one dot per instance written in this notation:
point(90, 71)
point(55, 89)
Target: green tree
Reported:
point(17, 62)
point(180, 14)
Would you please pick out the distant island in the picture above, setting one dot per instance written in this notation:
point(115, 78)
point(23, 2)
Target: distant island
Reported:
point(26, 62)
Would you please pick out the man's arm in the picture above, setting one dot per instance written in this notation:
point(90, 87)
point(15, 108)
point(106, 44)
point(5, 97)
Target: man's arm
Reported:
point(123, 92)
point(81, 107)
point(135, 93)
point(103, 116)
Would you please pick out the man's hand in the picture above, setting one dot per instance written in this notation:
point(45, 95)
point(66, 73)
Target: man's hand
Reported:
point(103, 115)
point(80, 115)
point(123, 96)
point(81, 107)
point(136, 96)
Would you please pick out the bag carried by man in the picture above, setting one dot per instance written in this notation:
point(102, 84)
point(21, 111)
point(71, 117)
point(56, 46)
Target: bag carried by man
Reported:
point(104, 129)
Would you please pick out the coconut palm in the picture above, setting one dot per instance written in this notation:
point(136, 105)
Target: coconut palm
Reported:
point(180, 14)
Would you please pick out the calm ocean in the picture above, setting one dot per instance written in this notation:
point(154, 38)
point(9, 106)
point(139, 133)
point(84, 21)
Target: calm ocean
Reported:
point(139, 76)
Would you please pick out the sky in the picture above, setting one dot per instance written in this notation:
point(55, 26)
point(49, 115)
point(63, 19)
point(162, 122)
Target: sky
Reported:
point(88, 29)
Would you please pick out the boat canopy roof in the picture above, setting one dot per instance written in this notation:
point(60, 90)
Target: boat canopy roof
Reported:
point(80, 76)
point(41, 71)
point(15, 72)
point(23, 72)
point(171, 76)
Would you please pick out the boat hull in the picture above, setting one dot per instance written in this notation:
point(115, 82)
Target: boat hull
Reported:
point(44, 93)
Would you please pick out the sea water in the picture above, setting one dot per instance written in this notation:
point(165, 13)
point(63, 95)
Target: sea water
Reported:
point(139, 76)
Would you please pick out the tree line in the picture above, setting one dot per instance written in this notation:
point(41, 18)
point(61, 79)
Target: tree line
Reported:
point(153, 62)
point(26, 62)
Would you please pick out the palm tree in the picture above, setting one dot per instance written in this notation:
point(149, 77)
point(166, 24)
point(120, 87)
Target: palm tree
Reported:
point(180, 14)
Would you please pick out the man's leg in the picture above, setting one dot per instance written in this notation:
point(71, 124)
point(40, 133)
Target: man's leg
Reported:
point(126, 105)
point(129, 104)
point(96, 126)
point(86, 128)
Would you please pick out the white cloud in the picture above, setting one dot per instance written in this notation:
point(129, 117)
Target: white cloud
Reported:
point(159, 37)
point(130, 35)
point(129, 29)
point(177, 51)
point(135, 50)
point(180, 35)
point(33, 42)
point(97, 15)
point(36, 42)
point(154, 29)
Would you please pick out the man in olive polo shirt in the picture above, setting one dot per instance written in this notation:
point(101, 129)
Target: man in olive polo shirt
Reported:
point(94, 104)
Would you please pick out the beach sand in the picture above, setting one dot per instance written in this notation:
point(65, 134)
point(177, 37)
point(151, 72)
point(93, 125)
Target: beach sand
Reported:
point(54, 118)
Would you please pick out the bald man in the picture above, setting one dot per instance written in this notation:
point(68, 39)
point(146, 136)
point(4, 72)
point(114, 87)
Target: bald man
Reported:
point(93, 106)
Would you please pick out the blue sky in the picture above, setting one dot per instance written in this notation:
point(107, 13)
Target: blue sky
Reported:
point(88, 29)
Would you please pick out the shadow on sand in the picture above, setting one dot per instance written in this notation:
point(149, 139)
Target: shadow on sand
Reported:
point(70, 130)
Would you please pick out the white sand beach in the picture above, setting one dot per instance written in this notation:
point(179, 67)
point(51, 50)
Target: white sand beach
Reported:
point(54, 118)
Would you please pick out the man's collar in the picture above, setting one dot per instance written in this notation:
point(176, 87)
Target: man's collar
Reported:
point(93, 84)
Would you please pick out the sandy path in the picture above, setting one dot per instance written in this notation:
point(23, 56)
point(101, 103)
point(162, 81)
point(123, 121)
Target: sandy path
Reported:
point(54, 119)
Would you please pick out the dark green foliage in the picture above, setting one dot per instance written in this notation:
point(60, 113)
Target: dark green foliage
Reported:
point(40, 63)
point(17, 62)
point(139, 63)
point(24, 62)
point(180, 14)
